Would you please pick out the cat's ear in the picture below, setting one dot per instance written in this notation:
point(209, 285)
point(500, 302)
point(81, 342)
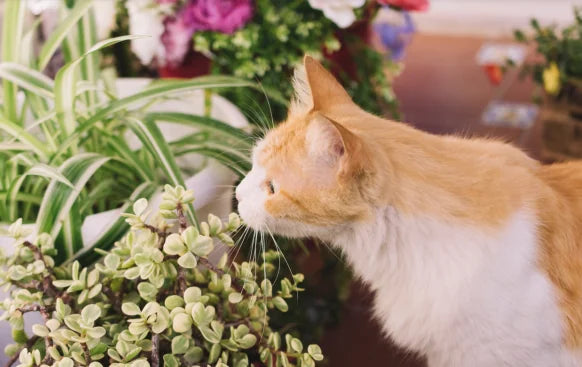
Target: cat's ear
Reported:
point(330, 144)
point(316, 89)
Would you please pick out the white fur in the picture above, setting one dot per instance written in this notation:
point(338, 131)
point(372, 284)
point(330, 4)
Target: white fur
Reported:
point(459, 295)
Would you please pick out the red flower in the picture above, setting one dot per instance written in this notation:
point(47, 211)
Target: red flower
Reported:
point(410, 5)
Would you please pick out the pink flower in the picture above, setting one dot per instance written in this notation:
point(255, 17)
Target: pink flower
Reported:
point(177, 39)
point(224, 16)
point(411, 5)
point(201, 15)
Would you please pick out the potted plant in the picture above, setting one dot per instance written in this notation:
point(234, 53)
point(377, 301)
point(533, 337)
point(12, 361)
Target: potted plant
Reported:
point(154, 299)
point(558, 72)
point(67, 151)
point(262, 40)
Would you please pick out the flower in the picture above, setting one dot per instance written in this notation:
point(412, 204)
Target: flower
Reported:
point(551, 78)
point(410, 5)
point(146, 18)
point(176, 39)
point(341, 12)
point(105, 13)
point(224, 16)
point(395, 37)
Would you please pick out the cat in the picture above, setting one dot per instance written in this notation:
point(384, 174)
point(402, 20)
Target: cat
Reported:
point(472, 248)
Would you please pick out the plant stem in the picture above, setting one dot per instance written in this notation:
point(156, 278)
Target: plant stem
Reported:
point(28, 345)
point(155, 350)
point(86, 352)
point(47, 282)
point(181, 217)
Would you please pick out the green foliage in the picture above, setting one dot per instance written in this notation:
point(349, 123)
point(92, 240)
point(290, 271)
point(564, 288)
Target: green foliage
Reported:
point(562, 55)
point(62, 149)
point(274, 43)
point(154, 298)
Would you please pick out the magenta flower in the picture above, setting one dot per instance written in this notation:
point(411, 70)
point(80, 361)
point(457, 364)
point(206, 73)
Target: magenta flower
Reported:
point(224, 16)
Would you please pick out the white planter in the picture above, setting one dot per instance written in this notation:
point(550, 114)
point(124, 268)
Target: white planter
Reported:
point(212, 185)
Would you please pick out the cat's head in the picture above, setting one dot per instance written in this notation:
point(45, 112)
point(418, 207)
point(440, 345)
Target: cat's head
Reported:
point(310, 172)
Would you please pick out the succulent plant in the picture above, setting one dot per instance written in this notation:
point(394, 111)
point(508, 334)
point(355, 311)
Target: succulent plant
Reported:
point(154, 299)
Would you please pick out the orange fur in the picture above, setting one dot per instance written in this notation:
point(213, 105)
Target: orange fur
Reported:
point(475, 181)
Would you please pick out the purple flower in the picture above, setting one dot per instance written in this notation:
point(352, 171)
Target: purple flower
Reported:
point(395, 37)
point(224, 16)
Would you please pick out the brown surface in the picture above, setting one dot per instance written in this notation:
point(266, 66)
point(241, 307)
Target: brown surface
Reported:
point(444, 91)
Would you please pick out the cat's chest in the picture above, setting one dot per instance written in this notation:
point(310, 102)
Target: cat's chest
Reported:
point(428, 274)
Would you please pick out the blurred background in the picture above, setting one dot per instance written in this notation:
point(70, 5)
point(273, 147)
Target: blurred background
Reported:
point(468, 67)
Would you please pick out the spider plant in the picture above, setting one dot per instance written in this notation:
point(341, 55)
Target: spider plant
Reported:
point(63, 155)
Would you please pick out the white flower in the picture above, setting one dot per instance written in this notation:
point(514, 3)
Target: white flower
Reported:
point(146, 18)
point(341, 12)
point(104, 17)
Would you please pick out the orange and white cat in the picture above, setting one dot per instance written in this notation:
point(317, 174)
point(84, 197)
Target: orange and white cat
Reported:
point(473, 249)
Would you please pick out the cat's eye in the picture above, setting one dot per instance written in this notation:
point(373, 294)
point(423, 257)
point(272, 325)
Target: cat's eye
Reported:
point(270, 185)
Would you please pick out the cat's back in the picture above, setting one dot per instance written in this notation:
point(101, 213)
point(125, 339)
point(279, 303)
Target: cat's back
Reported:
point(560, 212)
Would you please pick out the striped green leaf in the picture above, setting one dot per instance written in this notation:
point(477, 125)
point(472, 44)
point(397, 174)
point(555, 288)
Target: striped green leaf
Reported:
point(27, 78)
point(13, 22)
point(65, 85)
point(24, 137)
point(165, 89)
point(38, 169)
point(60, 198)
point(64, 28)
point(152, 138)
point(239, 162)
point(230, 135)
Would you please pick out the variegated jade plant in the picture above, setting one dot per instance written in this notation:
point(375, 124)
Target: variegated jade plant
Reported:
point(155, 299)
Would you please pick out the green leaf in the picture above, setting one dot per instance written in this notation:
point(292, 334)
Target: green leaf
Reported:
point(25, 137)
point(59, 198)
point(174, 245)
point(181, 322)
point(315, 352)
point(50, 172)
point(202, 315)
point(173, 301)
point(192, 294)
point(152, 138)
point(188, 261)
point(28, 79)
point(116, 230)
point(296, 345)
point(280, 303)
point(160, 90)
point(202, 246)
point(180, 344)
point(13, 23)
point(235, 297)
point(171, 361)
point(65, 86)
point(147, 291)
point(63, 29)
point(247, 341)
point(90, 313)
point(130, 308)
point(194, 355)
point(225, 132)
point(214, 353)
